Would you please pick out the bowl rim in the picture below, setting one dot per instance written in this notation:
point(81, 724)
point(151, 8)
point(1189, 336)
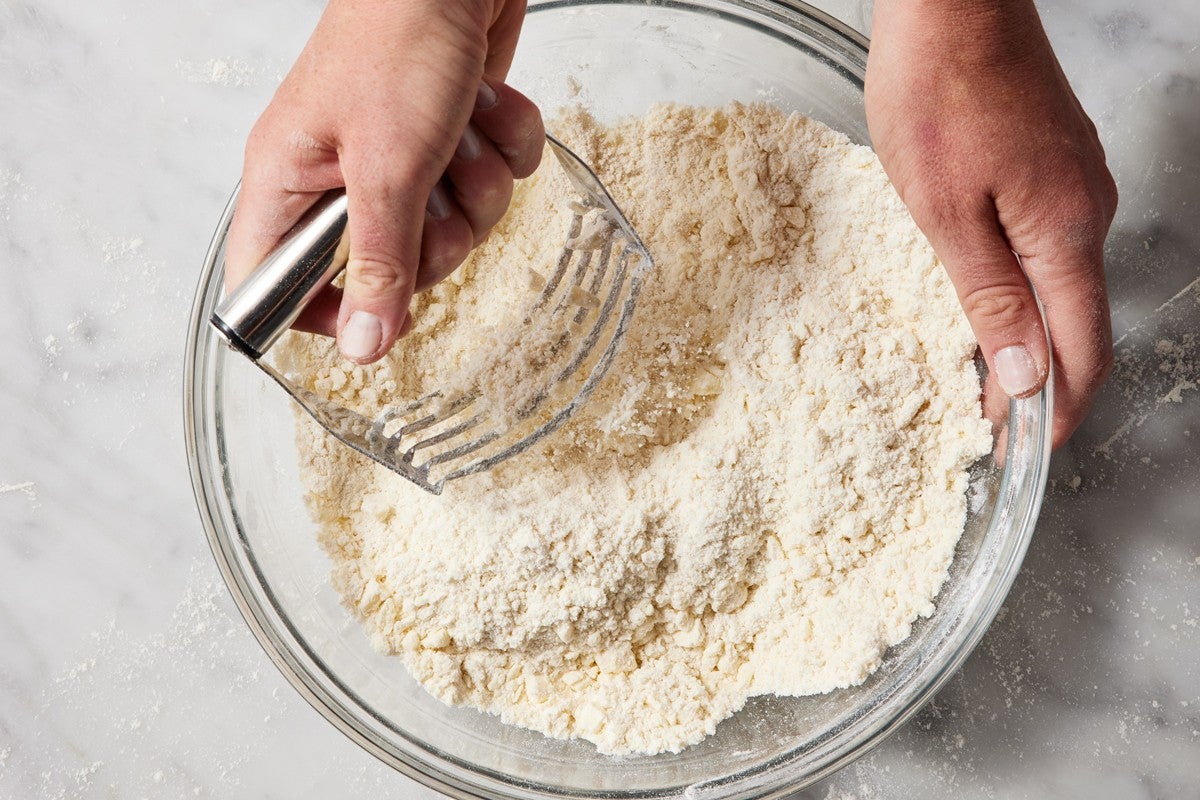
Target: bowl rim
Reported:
point(1019, 498)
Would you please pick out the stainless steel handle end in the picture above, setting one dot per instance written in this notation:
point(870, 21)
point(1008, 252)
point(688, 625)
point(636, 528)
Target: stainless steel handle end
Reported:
point(255, 314)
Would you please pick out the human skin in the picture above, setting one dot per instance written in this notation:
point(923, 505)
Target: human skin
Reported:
point(982, 136)
point(403, 103)
point(968, 109)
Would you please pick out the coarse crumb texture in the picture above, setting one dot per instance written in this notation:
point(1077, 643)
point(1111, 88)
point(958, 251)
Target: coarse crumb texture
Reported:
point(765, 491)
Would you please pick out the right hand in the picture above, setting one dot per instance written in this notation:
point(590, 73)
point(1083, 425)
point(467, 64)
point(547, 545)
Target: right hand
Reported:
point(403, 103)
point(985, 141)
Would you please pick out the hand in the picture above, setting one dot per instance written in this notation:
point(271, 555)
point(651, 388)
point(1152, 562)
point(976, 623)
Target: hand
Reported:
point(403, 103)
point(980, 132)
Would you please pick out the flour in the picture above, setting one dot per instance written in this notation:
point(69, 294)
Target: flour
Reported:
point(761, 497)
point(225, 72)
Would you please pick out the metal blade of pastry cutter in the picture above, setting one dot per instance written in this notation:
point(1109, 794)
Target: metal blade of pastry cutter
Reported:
point(441, 437)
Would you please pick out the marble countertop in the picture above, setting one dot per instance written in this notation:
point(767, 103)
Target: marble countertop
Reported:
point(125, 670)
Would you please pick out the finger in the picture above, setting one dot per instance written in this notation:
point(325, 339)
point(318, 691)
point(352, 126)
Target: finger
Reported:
point(513, 124)
point(1070, 282)
point(995, 294)
point(281, 179)
point(446, 239)
point(482, 182)
point(262, 217)
point(502, 38)
point(321, 315)
point(995, 403)
point(385, 216)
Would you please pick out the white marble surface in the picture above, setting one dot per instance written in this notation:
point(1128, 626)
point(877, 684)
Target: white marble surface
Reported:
point(125, 671)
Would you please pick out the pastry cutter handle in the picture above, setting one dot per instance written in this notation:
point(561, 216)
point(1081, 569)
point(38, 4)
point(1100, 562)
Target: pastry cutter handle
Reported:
point(255, 314)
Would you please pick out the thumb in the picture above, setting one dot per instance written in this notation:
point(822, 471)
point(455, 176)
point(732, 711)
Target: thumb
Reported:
point(384, 225)
point(1002, 310)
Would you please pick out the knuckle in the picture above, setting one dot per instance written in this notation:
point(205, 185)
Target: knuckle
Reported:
point(259, 138)
point(468, 19)
point(440, 265)
point(485, 203)
point(523, 150)
point(388, 184)
point(940, 207)
point(997, 307)
point(497, 193)
point(1081, 208)
point(375, 276)
point(1110, 194)
point(524, 167)
point(383, 166)
point(1078, 221)
point(443, 257)
point(524, 161)
point(1082, 205)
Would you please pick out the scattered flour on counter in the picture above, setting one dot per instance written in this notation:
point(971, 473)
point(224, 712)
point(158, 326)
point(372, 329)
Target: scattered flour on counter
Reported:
point(761, 497)
point(27, 488)
point(229, 72)
point(118, 249)
point(189, 706)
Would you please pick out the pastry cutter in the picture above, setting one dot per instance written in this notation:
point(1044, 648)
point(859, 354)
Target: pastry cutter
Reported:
point(447, 435)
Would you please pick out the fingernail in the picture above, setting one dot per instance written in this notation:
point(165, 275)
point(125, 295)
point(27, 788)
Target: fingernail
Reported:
point(438, 204)
point(485, 97)
point(470, 145)
point(361, 336)
point(1015, 370)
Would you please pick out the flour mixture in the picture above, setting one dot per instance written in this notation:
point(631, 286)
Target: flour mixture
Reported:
point(761, 497)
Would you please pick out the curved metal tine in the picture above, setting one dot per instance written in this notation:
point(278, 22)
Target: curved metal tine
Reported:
point(560, 267)
point(376, 430)
point(390, 448)
point(620, 281)
point(606, 256)
point(566, 336)
point(445, 435)
point(581, 269)
point(589, 344)
point(629, 287)
point(442, 414)
point(598, 275)
point(416, 404)
point(564, 299)
point(579, 279)
point(459, 452)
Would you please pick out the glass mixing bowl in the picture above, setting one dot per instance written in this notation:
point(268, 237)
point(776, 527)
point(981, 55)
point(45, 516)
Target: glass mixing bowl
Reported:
point(240, 434)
